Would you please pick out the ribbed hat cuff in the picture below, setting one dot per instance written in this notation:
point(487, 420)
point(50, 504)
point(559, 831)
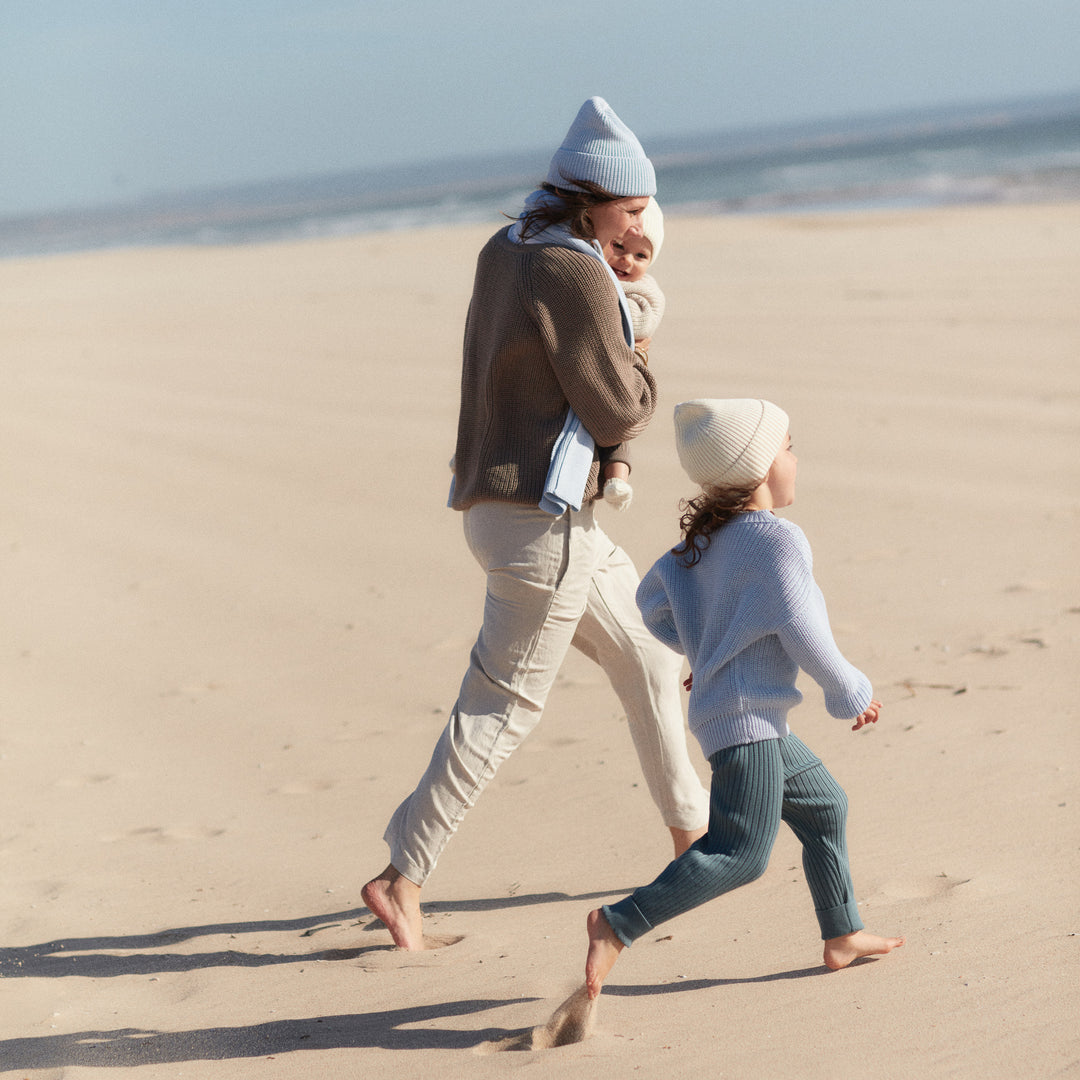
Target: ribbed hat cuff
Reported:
point(624, 178)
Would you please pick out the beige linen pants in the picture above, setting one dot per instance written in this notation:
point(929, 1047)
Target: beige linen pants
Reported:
point(551, 583)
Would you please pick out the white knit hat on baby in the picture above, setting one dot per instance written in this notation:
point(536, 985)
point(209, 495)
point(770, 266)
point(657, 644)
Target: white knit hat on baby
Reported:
point(600, 148)
point(729, 442)
point(652, 226)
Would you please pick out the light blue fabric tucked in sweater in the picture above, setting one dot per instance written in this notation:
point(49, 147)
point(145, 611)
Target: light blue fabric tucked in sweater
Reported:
point(748, 616)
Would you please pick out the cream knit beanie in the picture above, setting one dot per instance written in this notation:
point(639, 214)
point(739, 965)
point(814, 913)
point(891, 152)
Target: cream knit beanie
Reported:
point(600, 148)
point(728, 442)
point(652, 226)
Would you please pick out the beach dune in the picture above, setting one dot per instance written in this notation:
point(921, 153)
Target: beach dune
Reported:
point(235, 612)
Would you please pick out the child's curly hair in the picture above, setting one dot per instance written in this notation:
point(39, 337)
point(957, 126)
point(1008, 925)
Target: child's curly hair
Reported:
point(705, 514)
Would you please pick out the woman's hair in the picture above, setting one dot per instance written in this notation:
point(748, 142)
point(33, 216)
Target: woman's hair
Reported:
point(705, 514)
point(569, 206)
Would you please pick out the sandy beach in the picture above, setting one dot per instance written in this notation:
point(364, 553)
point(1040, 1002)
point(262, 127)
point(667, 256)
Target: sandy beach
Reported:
point(235, 613)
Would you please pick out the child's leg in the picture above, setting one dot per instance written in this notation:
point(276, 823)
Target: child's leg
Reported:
point(815, 807)
point(744, 817)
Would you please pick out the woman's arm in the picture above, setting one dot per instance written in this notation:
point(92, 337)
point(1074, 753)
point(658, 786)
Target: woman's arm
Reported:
point(577, 312)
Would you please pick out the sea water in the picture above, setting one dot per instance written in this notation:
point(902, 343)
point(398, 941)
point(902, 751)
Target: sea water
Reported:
point(1022, 151)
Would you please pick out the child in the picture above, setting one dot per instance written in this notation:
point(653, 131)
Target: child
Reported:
point(629, 258)
point(738, 598)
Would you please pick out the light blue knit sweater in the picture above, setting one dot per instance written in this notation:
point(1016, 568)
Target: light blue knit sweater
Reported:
point(747, 617)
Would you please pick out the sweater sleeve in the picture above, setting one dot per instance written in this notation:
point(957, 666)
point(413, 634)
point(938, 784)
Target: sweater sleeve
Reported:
point(646, 302)
point(576, 309)
point(806, 635)
point(808, 640)
point(654, 603)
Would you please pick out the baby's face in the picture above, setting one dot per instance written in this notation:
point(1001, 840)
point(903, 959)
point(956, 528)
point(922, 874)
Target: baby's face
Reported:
point(629, 256)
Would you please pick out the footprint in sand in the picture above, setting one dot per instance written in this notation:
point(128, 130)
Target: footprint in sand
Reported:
point(84, 781)
point(383, 957)
point(302, 787)
point(164, 834)
point(572, 1022)
point(931, 888)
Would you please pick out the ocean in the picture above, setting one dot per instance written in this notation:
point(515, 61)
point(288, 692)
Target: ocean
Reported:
point(1009, 152)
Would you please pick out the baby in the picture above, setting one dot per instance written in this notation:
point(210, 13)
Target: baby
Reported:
point(629, 258)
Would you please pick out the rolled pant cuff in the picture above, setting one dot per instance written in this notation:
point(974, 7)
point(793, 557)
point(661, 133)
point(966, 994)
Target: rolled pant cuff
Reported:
point(405, 866)
point(838, 921)
point(626, 920)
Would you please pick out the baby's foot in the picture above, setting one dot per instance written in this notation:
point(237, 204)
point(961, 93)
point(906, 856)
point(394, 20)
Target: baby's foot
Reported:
point(618, 493)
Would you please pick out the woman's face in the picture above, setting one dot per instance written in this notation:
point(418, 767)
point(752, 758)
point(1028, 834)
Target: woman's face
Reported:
point(615, 219)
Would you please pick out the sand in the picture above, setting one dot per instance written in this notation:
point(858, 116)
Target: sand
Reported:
point(235, 613)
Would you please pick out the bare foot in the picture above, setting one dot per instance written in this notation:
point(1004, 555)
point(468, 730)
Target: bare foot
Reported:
point(841, 951)
point(604, 949)
point(683, 838)
point(396, 900)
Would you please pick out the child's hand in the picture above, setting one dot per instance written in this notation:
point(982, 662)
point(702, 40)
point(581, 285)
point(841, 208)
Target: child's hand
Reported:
point(868, 716)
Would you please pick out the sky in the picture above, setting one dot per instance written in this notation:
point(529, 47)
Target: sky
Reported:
point(111, 100)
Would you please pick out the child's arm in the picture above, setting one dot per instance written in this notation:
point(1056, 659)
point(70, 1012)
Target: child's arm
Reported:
point(805, 632)
point(646, 302)
point(615, 478)
point(808, 640)
point(655, 606)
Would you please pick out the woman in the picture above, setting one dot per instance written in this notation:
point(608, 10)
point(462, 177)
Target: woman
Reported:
point(551, 388)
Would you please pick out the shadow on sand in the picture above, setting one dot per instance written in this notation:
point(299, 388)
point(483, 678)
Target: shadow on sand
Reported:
point(130, 1047)
point(94, 957)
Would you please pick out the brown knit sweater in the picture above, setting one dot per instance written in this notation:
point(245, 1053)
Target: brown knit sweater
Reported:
point(543, 335)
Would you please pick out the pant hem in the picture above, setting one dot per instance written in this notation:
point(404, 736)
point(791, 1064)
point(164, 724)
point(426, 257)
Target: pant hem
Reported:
point(838, 921)
point(626, 920)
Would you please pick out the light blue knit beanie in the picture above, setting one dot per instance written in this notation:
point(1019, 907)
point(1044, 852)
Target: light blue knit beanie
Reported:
point(600, 148)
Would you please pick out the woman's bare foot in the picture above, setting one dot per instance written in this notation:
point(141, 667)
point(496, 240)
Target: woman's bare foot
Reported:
point(604, 949)
point(683, 838)
point(841, 951)
point(396, 900)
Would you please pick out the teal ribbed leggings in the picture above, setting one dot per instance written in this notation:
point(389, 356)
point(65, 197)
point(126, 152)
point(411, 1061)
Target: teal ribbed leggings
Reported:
point(754, 788)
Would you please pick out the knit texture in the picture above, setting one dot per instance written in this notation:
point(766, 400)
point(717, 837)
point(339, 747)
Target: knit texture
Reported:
point(728, 442)
point(652, 226)
point(646, 301)
point(748, 616)
point(543, 334)
point(600, 148)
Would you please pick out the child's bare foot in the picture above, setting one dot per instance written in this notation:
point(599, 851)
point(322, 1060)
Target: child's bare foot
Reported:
point(683, 838)
point(396, 900)
point(604, 949)
point(841, 951)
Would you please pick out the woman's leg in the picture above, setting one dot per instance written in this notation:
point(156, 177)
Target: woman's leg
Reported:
point(744, 818)
point(538, 574)
point(646, 677)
